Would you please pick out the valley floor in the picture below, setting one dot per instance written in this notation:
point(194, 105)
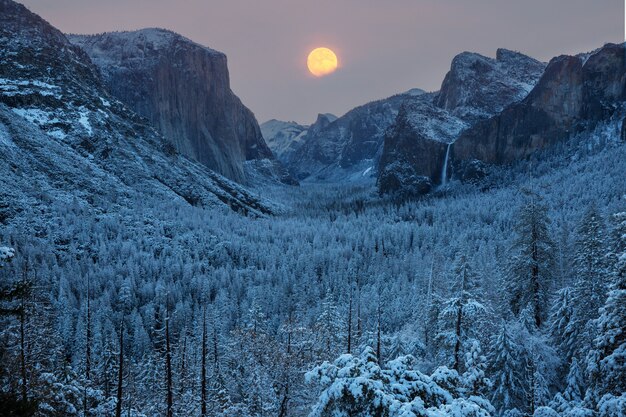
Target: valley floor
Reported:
point(257, 302)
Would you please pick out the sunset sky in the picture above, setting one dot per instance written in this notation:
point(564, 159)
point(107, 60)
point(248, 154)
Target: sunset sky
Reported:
point(384, 47)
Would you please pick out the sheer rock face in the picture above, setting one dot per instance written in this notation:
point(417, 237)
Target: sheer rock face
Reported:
point(475, 88)
point(63, 137)
point(346, 148)
point(183, 89)
point(574, 94)
point(416, 146)
point(283, 138)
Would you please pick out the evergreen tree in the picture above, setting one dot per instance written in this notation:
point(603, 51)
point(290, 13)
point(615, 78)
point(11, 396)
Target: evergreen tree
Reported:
point(591, 278)
point(506, 369)
point(575, 390)
point(563, 331)
point(532, 267)
point(461, 316)
point(474, 379)
point(606, 361)
point(329, 327)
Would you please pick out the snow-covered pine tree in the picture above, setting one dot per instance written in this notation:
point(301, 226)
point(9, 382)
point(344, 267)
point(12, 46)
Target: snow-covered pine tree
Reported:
point(474, 380)
point(590, 285)
point(6, 254)
point(532, 267)
point(329, 327)
point(461, 316)
point(562, 329)
point(575, 390)
point(606, 362)
point(506, 370)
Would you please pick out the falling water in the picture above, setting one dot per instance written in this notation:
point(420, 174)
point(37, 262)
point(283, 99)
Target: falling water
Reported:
point(444, 171)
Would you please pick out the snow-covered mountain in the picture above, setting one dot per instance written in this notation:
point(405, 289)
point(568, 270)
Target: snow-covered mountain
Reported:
point(183, 89)
point(353, 146)
point(475, 88)
point(64, 137)
point(337, 149)
point(283, 138)
point(573, 94)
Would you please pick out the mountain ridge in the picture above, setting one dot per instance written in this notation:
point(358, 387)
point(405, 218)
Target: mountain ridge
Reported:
point(89, 146)
point(183, 89)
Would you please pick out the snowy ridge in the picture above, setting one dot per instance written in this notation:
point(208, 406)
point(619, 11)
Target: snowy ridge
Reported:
point(283, 138)
point(433, 122)
point(140, 44)
point(71, 139)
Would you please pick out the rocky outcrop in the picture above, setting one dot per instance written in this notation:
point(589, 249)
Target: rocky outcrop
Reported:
point(337, 149)
point(475, 88)
point(574, 94)
point(415, 148)
point(63, 137)
point(183, 89)
point(283, 138)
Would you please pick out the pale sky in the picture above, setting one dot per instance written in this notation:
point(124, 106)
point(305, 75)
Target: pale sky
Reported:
point(384, 46)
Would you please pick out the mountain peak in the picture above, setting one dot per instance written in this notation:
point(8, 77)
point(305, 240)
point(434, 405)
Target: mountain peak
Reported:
point(141, 42)
point(183, 89)
point(478, 86)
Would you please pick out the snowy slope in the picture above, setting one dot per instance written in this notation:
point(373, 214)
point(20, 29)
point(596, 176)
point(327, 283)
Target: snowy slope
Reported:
point(183, 89)
point(63, 137)
point(283, 138)
point(475, 88)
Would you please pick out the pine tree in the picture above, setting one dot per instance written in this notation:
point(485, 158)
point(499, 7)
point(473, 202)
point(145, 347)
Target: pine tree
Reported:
point(506, 369)
point(606, 361)
point(474, 379)
point(591, 276)
point(531, 270)
point(328, 326)
point(537, 392)
point(460, 318)
point(563, 331)
point(575, 390)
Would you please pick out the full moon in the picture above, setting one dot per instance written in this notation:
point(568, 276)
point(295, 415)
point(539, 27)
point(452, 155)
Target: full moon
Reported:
point(321, 61)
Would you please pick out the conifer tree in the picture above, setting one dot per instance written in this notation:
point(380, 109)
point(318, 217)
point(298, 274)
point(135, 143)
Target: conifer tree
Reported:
point(563, 331)
point(575, 390)
point(506, 370)
point(328, 327)
point(606, 361)
point(590, 285)
point(460, 318)
point(532, 267)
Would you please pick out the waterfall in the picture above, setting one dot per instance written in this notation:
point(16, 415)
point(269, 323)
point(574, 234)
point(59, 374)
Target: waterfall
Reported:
point(444, 170)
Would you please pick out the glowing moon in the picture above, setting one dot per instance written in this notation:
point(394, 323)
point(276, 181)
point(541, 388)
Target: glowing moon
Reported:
point(321, 61)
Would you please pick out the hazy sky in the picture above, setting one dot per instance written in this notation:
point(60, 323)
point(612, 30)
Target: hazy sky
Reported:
point(384, 46)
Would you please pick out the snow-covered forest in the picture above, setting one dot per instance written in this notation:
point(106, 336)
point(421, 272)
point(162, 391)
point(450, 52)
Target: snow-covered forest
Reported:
point(506, 298)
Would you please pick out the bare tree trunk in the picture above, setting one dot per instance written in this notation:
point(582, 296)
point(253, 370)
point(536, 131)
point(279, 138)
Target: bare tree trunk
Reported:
point(183, 366)
point(285, 401)
point(378, 353)
point(350, 321)
point(358, 310)
point(120, 374)
point(87, 349)
point(459, 323)
point(88, 336)
point(23, 306)
point(215, 347)
point(203, 399)
point(168, 367)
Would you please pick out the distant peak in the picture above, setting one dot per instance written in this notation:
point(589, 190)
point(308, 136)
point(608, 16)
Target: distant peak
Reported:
point(415, 92)
point(327, 117)
point(507, 55)
point(153, 38)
